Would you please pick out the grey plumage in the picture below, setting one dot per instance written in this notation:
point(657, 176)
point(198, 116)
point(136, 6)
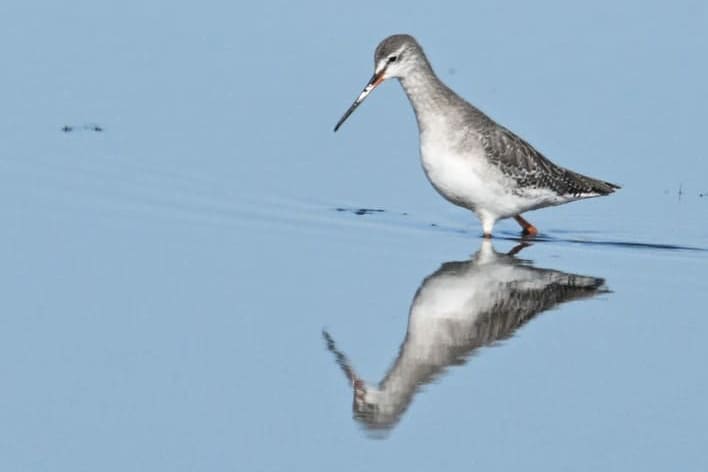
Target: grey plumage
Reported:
point(511, 154)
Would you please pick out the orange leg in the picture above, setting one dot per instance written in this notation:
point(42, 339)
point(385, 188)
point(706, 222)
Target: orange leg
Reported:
point(528, 228)
point(517, 249)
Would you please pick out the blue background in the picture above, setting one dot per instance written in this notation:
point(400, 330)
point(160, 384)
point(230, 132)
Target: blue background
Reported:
point(165, 281)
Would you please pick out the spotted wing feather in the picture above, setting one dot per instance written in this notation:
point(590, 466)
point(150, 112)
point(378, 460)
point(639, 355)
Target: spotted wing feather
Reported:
point(530, 169)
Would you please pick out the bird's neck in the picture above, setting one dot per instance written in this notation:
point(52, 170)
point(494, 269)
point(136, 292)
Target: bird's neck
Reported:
point(428, 95)
point(435, 104)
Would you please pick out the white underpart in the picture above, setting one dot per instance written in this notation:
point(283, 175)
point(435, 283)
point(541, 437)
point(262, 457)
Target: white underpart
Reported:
point(469, 180)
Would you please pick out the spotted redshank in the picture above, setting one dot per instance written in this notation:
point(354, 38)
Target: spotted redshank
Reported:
point(470, 159)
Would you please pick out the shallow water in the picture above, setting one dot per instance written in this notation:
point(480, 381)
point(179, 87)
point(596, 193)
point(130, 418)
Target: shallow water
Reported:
point(199, 275)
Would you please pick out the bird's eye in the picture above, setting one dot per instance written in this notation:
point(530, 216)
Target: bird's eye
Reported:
point(392, 59)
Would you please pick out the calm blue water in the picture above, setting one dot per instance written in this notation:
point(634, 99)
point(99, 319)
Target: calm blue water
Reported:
point(180, 291)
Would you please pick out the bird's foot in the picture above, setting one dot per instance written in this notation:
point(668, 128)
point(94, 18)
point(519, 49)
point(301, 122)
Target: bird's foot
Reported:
point(527, 228)
point(530, 230)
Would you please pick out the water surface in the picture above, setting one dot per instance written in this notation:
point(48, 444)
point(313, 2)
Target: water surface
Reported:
point(198, 274)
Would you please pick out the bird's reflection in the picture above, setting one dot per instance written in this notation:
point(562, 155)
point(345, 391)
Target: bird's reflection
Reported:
point(459, 308)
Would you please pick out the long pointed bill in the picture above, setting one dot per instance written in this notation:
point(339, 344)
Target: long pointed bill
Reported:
point(376, 79)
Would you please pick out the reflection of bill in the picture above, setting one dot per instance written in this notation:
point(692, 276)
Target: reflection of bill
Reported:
point(457, 309)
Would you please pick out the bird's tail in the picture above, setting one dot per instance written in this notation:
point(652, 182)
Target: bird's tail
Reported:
point(599, 187)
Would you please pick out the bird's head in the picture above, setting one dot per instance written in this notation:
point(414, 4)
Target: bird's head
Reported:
point(395, 56)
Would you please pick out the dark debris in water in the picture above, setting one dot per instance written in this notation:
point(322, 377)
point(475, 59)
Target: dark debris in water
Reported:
point(681, 192)
point(395, 221)
point(361, 211)
point(368, 211)
point(90, 127)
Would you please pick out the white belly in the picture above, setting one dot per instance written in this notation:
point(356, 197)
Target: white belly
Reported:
point(468, 180)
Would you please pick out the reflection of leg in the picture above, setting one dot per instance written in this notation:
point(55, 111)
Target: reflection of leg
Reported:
point(517, 249)
point(528, 228)
point(487, 225)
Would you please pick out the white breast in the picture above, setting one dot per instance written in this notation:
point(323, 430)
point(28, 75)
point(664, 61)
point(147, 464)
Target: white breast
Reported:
point(465, 179)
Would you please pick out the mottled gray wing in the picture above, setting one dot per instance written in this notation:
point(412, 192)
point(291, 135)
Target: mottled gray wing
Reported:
point(530, 169)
